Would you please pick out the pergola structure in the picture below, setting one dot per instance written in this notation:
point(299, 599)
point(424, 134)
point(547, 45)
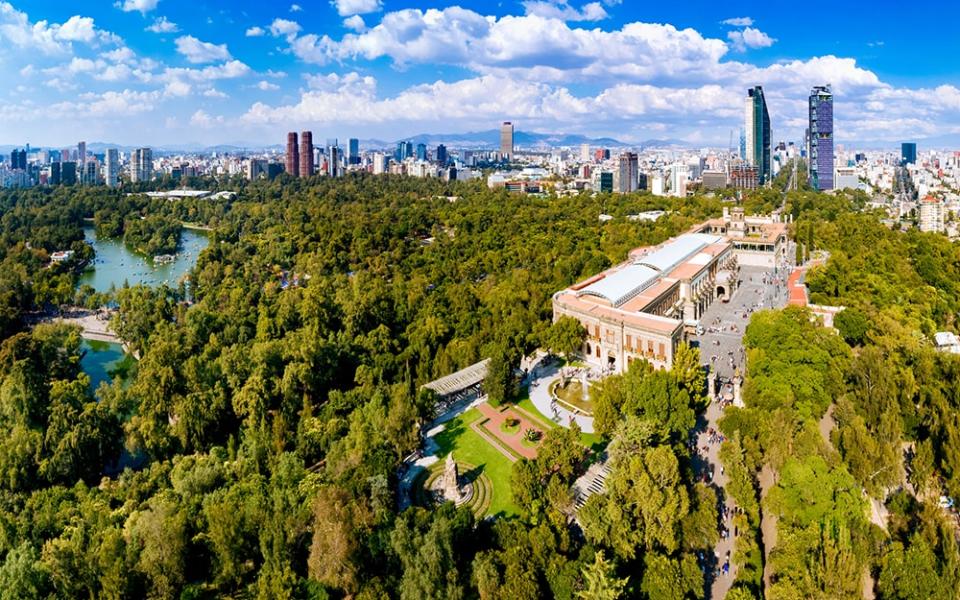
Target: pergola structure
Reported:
point(457, 386)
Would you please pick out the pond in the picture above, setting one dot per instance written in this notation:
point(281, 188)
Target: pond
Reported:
point(104, 361)
point(116, 263)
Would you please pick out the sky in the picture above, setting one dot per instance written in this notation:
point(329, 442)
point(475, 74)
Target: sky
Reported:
point(168, 72)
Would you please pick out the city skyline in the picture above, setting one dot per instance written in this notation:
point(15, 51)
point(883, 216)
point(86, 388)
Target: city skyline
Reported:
point(167, 72)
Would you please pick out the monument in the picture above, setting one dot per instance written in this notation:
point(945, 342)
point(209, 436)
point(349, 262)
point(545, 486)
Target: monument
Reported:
point(447, 486)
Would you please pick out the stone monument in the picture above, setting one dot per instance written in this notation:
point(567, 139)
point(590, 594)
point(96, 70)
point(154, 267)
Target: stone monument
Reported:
point(451, 483)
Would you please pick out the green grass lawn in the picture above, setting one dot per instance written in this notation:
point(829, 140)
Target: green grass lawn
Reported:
point(590, 440)
point(469, 447)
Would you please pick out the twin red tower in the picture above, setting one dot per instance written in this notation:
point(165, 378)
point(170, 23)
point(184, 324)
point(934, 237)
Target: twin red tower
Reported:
point(299, 162)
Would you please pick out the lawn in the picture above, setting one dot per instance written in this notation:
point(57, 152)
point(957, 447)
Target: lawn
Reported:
point(590, 440)
point(469, 447)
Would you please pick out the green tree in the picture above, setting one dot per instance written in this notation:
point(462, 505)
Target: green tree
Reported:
point(600, 579)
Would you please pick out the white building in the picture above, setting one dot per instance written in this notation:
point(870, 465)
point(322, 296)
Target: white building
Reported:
point(931, 214)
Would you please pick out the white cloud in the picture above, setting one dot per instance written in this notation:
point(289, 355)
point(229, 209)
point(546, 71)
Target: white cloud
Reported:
point(213, 93)
point(738, 22)
point(142, 6)
point(255, 32)
point(196, 51)
point(163, 25)
point(346, 8)
point(228, 70)
point(122, 54)
point(749, 38)
point(295, 8)
point(27, 71)
point(267, 86)
point(284, 27)
point(177, 88)
point(205, 121)
point(48, 38)
point(112, 103)
point(561, 9)
point(77, 29)
point(355, 23)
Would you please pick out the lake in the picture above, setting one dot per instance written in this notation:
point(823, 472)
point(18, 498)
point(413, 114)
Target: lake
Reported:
point(102, 361)
point(116, 263)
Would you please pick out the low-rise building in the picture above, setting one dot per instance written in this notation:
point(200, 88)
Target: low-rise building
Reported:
point(646, 306)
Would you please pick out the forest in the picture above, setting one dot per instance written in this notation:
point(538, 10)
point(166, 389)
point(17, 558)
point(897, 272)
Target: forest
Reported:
point(268, 422)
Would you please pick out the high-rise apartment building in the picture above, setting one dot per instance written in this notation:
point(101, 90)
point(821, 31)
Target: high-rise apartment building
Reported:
point(82, 154)
point(333, 157)
point(306, 154)
point(584, 152)
point(111, 169)
point(506, 140)
point(931, 215)
point(292, 159)
point(379, 163)
point(757, 132)
point(820, 152)
point(141, 165)
point(629, 169)
point(353, 151)
point(908, 153)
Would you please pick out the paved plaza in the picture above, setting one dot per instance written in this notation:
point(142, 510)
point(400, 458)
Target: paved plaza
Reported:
point(721, 345)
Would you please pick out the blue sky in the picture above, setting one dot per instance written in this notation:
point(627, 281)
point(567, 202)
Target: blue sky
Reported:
point(164, 72)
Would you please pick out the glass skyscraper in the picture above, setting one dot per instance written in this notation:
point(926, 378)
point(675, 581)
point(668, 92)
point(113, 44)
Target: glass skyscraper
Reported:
point(908, 153)
point(820, 153)
point(757, 133)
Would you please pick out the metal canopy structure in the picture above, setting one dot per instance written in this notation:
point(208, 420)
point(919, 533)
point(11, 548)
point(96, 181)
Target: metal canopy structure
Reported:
point(464, 379)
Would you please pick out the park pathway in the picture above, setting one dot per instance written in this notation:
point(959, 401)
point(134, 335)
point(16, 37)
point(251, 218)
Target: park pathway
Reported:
point(721, 346)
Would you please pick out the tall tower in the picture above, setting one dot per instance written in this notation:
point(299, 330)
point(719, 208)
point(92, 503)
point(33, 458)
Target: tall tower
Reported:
point(306, 153)
point(757, 133)
point(353, 151)
point(292, 162)
point(111, 167)
point(506, 140)
point(821, 138)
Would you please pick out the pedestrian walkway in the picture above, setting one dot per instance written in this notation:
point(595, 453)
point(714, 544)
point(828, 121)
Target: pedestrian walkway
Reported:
point(540, 396)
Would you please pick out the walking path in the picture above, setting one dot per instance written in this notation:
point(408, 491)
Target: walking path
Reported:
point(721, 346)
point(514, 441)
point(540, 380)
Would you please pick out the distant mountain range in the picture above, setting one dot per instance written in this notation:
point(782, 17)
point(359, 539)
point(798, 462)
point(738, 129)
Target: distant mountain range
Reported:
point(488, 139)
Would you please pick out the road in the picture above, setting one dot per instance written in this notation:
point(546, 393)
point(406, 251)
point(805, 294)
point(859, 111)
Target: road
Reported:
point(721, 345)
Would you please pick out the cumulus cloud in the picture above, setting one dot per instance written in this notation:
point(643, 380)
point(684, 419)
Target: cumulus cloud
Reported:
point(197, 51)
point(163, 25)
point(205, 121)
point(346, 8)
point(141, 6)
point(112, 103)
point(738, 22)
point(266, 86)
point(284, 27)
point(48, 38)
point(295, 8)
point(255, 32)
point(561, 9)
point(749, 37)
point(355, 23)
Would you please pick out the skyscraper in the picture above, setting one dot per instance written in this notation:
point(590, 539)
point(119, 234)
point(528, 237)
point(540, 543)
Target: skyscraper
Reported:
point(821, 138)
point(441, 155)
point(333, 157)
point(506, 140)
point(628, 172)
point(306, 154)
point(421, 152)
point(908, 153)
point(111, 167)
point(141, 165)
point(54, 174)
point(68, 173)
point(757, 132)
point(292, 162)
point(82, 161)
point(353, 151)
